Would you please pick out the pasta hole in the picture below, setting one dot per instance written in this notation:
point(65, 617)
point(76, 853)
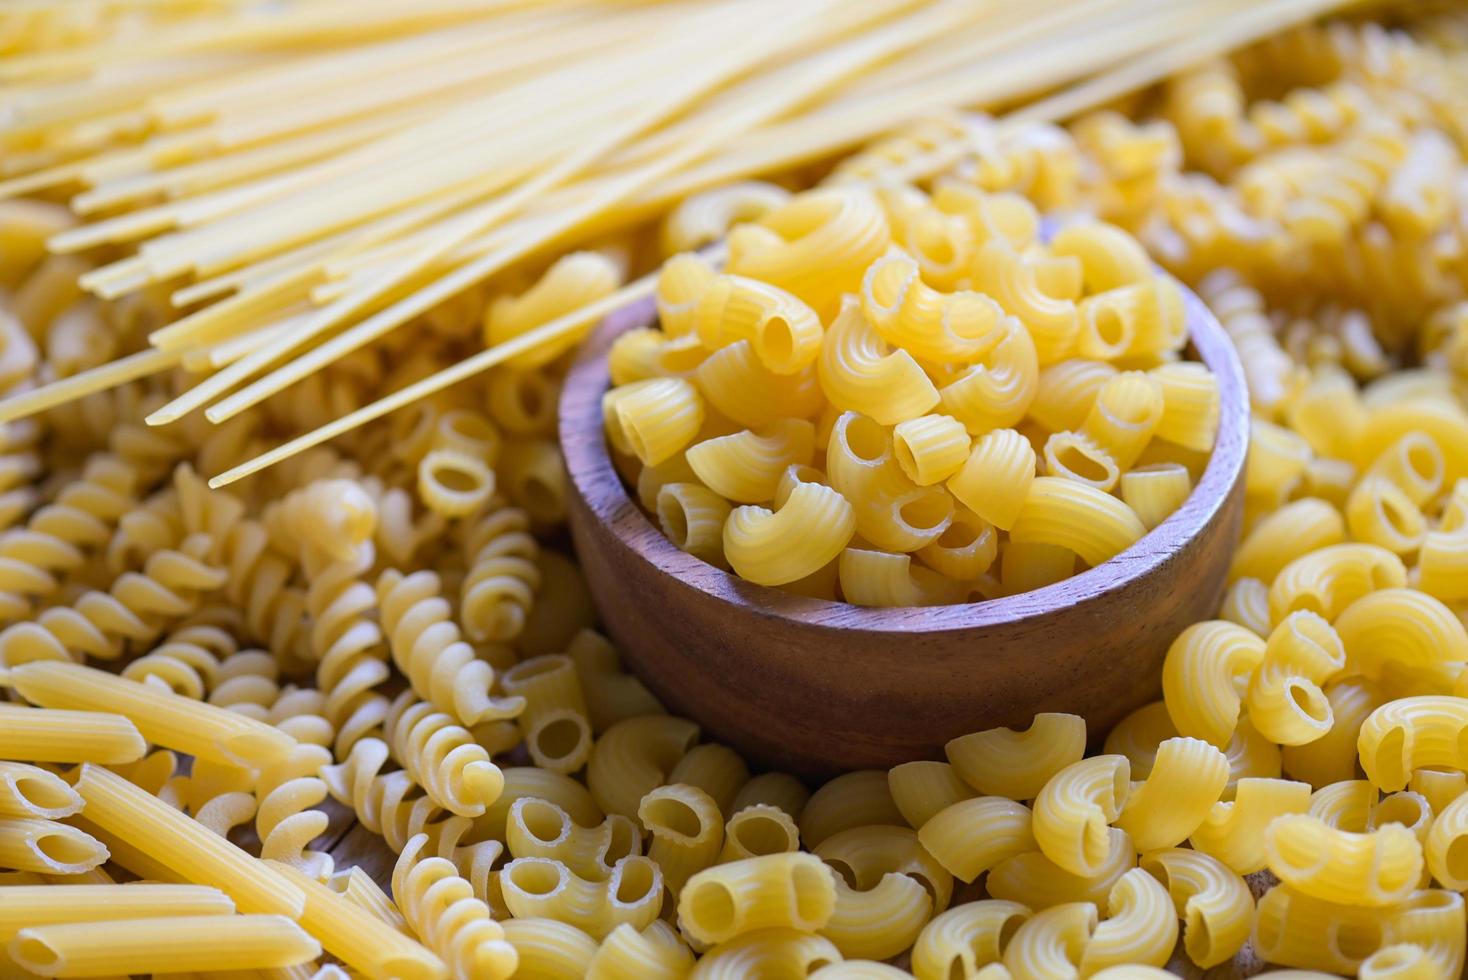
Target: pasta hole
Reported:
point(36, 955)
point(1197, 938)
point(1309, 701)
point(623, 841)
point(535, 877)
point(560, 738)
point(44, 795)
point(1457, 859)
point(635, 881)
point(959, 536)
point(927, 512)
point(1358, 940)
point(1402, 523)
point(455, 479)
point(866, 439)
point(956, 969)
point(673, 815)
point(543, 821)
point(1008, 929)
point(807, 882)
point(846, 871)
point(776, 340)
point(816, 964)
point(712, 906)
point(1078, 461)
point(759, 835)
point(64, 849)
point(673, 518)
point(1425, 461)
point(1110, 327)
point(905, 459)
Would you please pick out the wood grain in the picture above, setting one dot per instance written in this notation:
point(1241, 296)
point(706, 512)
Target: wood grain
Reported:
point(816, 687)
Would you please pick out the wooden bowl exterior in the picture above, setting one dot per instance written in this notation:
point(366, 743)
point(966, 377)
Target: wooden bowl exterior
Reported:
point(814, 687)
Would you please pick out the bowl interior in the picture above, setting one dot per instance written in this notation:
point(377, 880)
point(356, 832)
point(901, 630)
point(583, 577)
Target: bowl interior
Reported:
point(600, 486)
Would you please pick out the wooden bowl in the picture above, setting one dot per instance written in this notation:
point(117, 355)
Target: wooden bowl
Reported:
point(814, 687)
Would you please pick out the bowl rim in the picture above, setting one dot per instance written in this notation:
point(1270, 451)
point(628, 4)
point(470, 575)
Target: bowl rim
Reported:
point(595, 480)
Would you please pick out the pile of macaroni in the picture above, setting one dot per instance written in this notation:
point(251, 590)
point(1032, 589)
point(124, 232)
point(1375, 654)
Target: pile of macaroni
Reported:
point(202, 688)
point(883, 375)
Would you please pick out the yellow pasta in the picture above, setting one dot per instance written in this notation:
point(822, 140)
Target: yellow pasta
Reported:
point(1285, 700)
point(922, 789)
point(30, 791)
point(1140, 926)
point(1127, 411)
point(1204, 676)
point(536, 887)
point(1078, 457)
point(930, 448)
point(653, 419)
point(41, 735)
point(811, 527)
point(877, 578)
point(1412, 733)
point(655, 952)
point(164, 718)
point(635, 756)
point(784, 333)
point(1213, 902)
point(1378, 869)
point(1188, 777)
point(746, 467)
point(1052, 943)
point(34, 905)
point(1400, 628)
point(1018, 765)
point(859, 372)
point(933, 325)
point(756, 830)
point(773, 891)
point(1003, 273)
point(880, 921)
point(1110, 257)
point(687, 832)
point(1066, 514)
point(1233, 832)
point(693, 516)
point(966, 939)
point(1067, 390)
point(994, 481)
point(971, 836)
point(45, 846)
point(997, 390)
point(1330, 579)
point(1292, 531)
point(163, 945)
point(773, 952)
point(1190, 405)
point(184, 846)
point(1073, 811)
point(1155, 491)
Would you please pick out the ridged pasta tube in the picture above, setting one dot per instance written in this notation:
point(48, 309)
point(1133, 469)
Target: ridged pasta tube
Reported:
point(1004, 274)
point(1080, 518)
point(1051, 944)
point(1188, 777)
point(1286, 700)
point(1205, 668)
point(687, 832)
point(812, 527)
point(937, 326)
point(784, 333)
point(1034, 880)
point(774, 891)
point(1213, 902)
point(995, 479)
point(654, 953)
point(1376, 869)
point(817, 245)
point(1393, 628)
point(971, 836)
point(746, 467)
point(1018, 764)
point(1413, 733)
point(766, 952)
point(1327, 581)
point(879, 578)
point(998, 388)
point(1234, 830)
point(1073, 812)
point(535, 887)
point(1140, 926)
point(653, 419)
point(966, 938)
point(635, 756)
point(859, 372)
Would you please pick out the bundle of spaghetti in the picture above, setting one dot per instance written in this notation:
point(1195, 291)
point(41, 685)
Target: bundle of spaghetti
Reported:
point(291, 239)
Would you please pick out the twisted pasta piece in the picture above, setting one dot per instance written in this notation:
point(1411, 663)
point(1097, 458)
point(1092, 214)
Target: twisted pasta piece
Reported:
point(453, 769)
point(287, 820)
point(428, 647)
point(441, 908)
point(350, 652)
point(258, 573)
point(503, 576)
point(136, 608)
point(56, 540)
point(186, 662)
